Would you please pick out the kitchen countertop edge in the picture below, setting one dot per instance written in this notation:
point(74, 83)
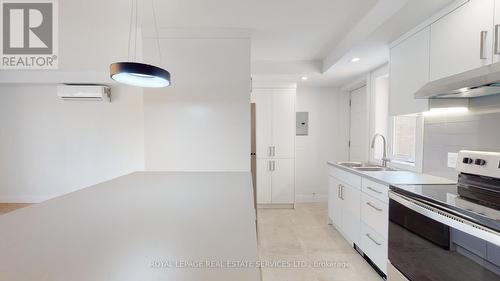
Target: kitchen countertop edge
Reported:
point(378, 180)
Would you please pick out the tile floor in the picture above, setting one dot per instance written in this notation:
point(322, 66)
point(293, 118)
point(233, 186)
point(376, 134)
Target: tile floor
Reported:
point(303, 235)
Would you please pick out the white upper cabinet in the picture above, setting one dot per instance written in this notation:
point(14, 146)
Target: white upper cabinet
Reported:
point(462, 40)
point(409, 71)
point(283, 126)
point(462, 37)
point(275, 123)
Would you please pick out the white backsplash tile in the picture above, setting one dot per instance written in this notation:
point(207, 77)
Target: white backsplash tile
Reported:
point(452, 133)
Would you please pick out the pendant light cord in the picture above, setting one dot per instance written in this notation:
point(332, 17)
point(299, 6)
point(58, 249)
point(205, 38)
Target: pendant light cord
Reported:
point(136, 25)
point(130, 28)
point(135, 8)
point(156, 29)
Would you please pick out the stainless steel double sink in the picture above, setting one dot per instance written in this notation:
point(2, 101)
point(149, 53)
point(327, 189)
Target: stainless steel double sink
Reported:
point(365, 167)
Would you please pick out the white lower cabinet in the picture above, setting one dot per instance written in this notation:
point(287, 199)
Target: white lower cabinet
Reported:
point(275, 181)
point(375, 190)
point(283, 181)
point(335, 203)
point(264, 192)
point(359, 210)
point(374, 246)
point(375, 214)
point(343, 208)
point(351, 198)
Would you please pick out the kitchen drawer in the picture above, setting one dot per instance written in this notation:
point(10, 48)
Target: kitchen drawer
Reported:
point(349, 178)
point(375, 214)
point(374, 246)
point(376, 190)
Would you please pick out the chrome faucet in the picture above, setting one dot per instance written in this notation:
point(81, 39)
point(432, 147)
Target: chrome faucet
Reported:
point(384, 156)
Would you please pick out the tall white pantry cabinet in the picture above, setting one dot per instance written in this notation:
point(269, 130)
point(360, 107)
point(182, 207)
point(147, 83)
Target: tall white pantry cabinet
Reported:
point(275, 146)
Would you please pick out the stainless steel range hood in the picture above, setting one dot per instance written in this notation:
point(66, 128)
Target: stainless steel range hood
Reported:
point(478, 82)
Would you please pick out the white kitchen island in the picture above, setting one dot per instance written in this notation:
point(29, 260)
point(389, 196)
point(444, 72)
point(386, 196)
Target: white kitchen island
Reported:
point(143, 226)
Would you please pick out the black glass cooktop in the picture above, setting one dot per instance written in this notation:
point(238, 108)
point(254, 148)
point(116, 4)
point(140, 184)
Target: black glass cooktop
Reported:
point(447, 196)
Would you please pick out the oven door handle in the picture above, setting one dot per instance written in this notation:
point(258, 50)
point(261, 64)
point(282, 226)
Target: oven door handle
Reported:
point(448, 218)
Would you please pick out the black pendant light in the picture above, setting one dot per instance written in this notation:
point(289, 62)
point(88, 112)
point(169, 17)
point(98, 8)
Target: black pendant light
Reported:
point(137, 73)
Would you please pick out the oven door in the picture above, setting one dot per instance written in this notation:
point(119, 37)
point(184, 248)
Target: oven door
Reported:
point(427, 243)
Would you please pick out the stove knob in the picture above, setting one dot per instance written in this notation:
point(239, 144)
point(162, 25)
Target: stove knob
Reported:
point(480, 162)
point(467, 160)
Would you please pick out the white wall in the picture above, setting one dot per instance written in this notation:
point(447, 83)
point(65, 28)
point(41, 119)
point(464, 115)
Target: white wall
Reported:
point(327, 140)
point(202, 121)
point(49, 147)
point(452, 132)
point(92, 34)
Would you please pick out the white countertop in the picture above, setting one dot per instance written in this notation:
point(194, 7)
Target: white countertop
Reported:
point(115, 231)
point(397, 177)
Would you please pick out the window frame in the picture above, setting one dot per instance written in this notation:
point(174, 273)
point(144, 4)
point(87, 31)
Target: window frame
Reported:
point(400, 163)
point(382, 71)
point(417, 166)
point(400, 157)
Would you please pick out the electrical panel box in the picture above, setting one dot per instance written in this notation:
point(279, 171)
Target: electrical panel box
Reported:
point(302, 123)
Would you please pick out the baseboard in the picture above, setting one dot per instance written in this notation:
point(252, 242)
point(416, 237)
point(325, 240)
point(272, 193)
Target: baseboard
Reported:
point(25, 199)
point(275, 206)
point(311, 198)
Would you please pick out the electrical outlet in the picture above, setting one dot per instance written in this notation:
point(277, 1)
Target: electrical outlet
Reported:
point(452, 160)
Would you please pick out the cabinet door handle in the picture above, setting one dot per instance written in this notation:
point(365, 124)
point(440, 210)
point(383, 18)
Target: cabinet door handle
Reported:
point(270, 151)
point(338, 191)
point(274, 166)
point(497, 35)
point(274, 150)
point(341, 192)
point(371, 205)
point(374, 190)
point(269, 165)
point(373, 240)
point(482, 53)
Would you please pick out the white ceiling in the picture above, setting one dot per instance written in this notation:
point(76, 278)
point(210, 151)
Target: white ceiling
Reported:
point(288, 34)
point(280, 29)
point(372, 47)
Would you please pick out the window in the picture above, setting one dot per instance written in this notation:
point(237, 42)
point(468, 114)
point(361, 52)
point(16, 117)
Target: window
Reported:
point(404, 138)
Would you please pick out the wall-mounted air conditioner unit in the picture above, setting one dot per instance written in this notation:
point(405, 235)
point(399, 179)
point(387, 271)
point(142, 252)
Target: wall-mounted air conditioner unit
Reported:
point(72, 92)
